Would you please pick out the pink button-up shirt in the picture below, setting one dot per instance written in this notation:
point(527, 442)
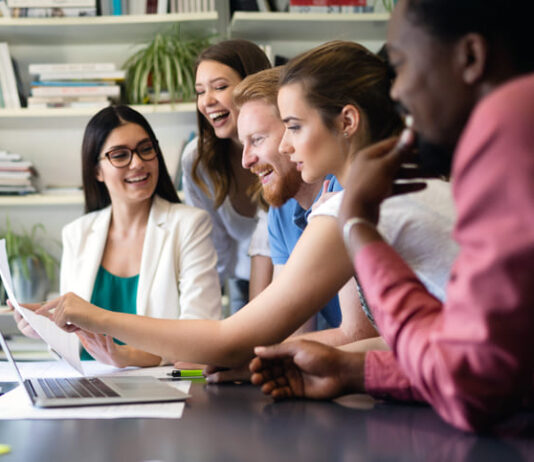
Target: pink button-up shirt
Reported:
point(472, 357)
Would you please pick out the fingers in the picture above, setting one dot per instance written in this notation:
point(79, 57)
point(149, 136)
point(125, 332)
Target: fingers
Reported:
point(383, 147)
point(278, 351)
point(47, 308)
point(405, 188)
point(326, 184)
point(216, 374)
point(394, 147)
point(278, 388)
point(208, 370)
point(110, 344)
point(224, 376)
point(268, 365)
point(406, 139)
point(31, 306)
point(70, 328)
point(411, 171)
point(84, 341)
point(255, 365)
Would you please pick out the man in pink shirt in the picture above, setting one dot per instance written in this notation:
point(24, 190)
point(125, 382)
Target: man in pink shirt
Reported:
point(464, 73)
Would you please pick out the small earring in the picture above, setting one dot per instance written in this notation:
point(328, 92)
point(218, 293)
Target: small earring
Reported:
point(345, 134)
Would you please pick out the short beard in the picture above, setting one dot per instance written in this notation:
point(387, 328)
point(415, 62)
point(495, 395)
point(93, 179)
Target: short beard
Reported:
point(283, 189)
point(434, 159)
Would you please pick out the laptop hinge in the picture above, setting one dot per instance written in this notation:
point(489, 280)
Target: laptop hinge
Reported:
point(29, 387)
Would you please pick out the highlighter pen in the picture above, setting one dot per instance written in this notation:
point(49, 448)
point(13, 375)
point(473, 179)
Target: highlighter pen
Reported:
point(186, 373)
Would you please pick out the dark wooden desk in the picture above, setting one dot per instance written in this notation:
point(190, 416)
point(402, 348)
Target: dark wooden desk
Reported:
point(237, 423)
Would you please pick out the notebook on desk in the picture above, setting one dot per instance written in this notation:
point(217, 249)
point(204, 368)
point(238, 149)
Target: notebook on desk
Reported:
point(87, 391)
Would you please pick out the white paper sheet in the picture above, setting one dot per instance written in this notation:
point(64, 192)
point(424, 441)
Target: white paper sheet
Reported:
point(16, 404)
point(63, 343)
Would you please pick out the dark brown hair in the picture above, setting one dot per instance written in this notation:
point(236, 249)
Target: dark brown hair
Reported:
point(96, 133)
point(245, 58)
point(339, 73)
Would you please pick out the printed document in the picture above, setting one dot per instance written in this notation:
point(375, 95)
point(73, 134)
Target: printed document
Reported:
point(65, 344)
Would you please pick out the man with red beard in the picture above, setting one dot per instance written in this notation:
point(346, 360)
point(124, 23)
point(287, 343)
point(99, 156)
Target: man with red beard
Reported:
point(260, 131)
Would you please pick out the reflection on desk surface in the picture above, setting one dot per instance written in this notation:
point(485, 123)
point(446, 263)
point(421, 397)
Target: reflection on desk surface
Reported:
point(237, 423)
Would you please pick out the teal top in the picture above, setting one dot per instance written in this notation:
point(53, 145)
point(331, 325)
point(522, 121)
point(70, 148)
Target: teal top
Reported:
point(113, 293)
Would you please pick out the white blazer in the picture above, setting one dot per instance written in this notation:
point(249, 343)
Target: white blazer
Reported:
point(177, 277)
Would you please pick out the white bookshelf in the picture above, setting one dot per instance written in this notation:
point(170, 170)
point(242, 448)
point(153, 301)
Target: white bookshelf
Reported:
point(102, 29)
point(51, 138)
point(316, 27)
point(26, 114)
point(50, 199)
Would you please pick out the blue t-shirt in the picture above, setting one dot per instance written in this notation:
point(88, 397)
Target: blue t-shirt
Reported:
point(286, 224)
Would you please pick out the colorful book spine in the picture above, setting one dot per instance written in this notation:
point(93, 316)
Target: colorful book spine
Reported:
point(330, 6)
point(116, 7)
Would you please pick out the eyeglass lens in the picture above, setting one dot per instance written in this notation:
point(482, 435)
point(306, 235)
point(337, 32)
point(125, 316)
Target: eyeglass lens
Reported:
point(123, 156)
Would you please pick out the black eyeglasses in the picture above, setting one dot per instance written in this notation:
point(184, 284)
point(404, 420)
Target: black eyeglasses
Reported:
point(122, 157)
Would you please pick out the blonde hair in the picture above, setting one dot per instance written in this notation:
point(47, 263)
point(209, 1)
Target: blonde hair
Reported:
point(262, 85)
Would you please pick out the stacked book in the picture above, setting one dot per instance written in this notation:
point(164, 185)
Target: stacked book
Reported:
point(51, 8)
point(75, 85)
point(16, 175)
point(331, 6)
point(136, 7)
point(192, 6)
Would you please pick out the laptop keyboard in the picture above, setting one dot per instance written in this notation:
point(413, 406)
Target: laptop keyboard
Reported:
point(76, 388)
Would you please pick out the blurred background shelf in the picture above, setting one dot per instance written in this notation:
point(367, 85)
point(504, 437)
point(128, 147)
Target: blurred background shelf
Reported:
point(51, 138)
point(29, 113)
point(53, 198)
point(102, 29)
point(308, 26)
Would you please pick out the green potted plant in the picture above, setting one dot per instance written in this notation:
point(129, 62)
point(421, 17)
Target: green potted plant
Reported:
point(166, 64)
point(33, 268)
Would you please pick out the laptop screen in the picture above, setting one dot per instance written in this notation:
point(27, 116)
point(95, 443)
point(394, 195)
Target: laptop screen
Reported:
point(10, 358)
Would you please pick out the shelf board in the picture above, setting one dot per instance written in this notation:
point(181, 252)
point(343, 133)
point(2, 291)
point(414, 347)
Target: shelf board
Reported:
point(51, 198)
point(132, 29)
point(267, 27)
point(25, 113)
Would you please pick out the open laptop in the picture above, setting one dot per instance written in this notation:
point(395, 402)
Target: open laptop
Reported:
point(88, 391)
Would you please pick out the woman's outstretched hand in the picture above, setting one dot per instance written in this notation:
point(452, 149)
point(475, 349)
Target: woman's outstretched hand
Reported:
point(71, 313)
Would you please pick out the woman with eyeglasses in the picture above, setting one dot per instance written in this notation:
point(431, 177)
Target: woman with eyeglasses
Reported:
point(136, 250)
